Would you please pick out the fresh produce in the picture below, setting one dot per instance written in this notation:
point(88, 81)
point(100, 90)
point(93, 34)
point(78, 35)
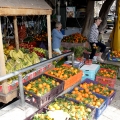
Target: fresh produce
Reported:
point(76, 111)
point(39, 51)
point(52, 115)
point(41, 37)
point(108, 73)
point(7, 49)
point(109, 66)
point(115, 54)
point(19, 60)
point(97, 88)
point(41, 85)
point(78, 51)
point(42, 117)
point(85, 96)
point(63, 72)
point(75, 38)
point(12, 79)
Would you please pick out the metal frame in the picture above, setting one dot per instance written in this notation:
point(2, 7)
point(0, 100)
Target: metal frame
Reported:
point(19, 73)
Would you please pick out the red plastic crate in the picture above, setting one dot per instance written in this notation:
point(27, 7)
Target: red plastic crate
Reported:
point(106, 80)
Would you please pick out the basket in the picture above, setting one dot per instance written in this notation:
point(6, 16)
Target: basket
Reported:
point(110, 98)
point(70, 81)
point(40, 102)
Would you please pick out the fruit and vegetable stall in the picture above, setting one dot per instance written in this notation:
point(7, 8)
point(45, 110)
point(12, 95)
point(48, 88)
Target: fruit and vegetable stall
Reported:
point(79, 92)
point(19, 55)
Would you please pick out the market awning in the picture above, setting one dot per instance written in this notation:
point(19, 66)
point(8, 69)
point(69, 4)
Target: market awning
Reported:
point(24, 7)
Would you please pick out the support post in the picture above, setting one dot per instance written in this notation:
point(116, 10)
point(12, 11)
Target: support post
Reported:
point(2, 63)
point(16, 33)
point(21, 90)
point(73, 59)
point(49, 36)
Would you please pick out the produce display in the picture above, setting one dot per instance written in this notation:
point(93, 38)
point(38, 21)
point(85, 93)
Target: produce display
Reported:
point(78, 51)
point(41, 37)
point(42, 116)
point(108, 73)
point(97, 88)
point(63, 72)
point(76, 111)
point(109, 66)
point(85, 96)
point(41, 85)
point(115, 54)
point(51, 115)
point(75, 38)
point(17, 60)
point(12, 79)
point(39, 51)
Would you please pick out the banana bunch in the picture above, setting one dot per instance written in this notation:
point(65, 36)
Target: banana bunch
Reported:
point(16, 54)
point(34, 58)
point(5, 57)
point(20, 60)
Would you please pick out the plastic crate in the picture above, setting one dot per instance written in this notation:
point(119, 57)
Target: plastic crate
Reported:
point(113, 58)
point(91, 115)
point(40, 102)
point(99, 110)
point(110, 98)
point(70, 81)
point(106, 80)
point(91, 69)
point(76, 63)
point(88, 75)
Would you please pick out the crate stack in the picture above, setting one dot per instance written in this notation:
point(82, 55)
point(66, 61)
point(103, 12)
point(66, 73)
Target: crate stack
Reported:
point(89, 71)
point(87, 99)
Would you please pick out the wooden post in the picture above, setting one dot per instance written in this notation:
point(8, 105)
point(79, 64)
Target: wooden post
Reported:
point(16, 33)
point(49, 36)
point(2, 63)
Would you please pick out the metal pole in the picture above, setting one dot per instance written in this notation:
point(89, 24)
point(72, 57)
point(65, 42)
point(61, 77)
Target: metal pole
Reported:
point(21, 90)
point(73, 59)
point(2, 78)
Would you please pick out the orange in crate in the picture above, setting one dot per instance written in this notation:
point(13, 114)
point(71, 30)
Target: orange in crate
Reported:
point(66, 73)
point(107, 77)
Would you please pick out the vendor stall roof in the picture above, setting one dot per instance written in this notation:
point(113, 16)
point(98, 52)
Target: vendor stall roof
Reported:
point(24, 7)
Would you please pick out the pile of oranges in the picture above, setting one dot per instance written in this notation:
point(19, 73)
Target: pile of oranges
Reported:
point(75, 38)
point(41, 85)
point(97, 88)
point(63, 72)
point(108, 73)
point(85, 96)
point(115, 54)
point(41, 37)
